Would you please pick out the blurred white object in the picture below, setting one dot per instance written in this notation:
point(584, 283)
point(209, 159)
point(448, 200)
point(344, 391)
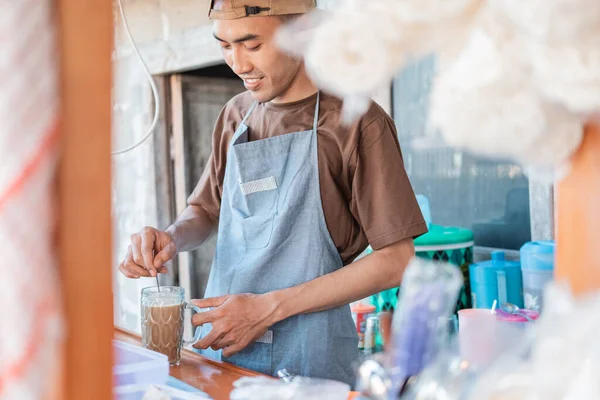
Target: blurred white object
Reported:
point(155, 392)
point(431, 26)
point(566, 356)
point(569, 73)
point(31, 320)
point(300, 388)
point(343, 64)
point(486, 102)
point(558, 21)
point(516, 79)
point(563, 42)
point(354, 51)
point(564, 360)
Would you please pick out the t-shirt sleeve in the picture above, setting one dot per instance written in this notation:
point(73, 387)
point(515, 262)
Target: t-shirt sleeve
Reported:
point(383, 200)
point(208, 191)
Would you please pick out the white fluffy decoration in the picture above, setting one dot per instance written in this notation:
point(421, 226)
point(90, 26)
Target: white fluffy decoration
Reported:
point(344, 61)
point(569, 74)
point(486, 102)
point(429, 26)
point(516, 78)
point(554, 21)
point(563, 42)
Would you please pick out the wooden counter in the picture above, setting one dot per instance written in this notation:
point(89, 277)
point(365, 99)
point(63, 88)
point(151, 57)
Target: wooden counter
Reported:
point(213, 377)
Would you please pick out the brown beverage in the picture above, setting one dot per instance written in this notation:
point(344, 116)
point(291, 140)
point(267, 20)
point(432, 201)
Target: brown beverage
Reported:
point(162, 321)
point(163, 330)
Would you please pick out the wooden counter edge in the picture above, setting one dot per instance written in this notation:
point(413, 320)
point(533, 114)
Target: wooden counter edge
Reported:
point(132, 337)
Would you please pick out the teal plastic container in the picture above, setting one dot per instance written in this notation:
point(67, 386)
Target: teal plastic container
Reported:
point(496, 280)
point(453, 245)
point(442, 243)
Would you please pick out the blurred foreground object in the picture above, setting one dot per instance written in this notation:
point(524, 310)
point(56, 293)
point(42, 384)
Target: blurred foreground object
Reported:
point(31, 322)
point(578, 217)
point(562, 363)
point(84, 186)
point(514, 79)
point(419, 329)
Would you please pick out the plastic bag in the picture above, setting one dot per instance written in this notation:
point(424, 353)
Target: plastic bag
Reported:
point(419, 326)
point(299, 388)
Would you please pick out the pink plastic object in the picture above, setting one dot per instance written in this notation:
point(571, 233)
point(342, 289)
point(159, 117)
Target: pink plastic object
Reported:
point(508, 317)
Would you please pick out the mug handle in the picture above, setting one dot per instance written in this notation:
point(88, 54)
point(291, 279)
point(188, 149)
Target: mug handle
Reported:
point(198, 332)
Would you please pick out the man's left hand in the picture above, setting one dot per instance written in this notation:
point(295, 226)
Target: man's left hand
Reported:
point(237, 320)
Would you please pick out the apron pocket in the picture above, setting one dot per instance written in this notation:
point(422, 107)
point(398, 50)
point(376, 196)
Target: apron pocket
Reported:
point(257, 231)
point(256, 204)
point(256, 357)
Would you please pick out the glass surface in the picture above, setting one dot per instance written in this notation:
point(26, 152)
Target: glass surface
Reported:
point(490, 197)
point(162, 320)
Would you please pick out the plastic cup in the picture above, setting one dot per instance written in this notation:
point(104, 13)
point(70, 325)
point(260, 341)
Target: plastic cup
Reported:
point(477, 336)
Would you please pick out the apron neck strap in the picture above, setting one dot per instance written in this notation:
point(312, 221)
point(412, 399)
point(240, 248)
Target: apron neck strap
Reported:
point(252, 107)
point(316, 121)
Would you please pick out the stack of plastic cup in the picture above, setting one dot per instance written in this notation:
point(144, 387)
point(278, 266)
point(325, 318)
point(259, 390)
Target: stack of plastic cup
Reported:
point(477, 335)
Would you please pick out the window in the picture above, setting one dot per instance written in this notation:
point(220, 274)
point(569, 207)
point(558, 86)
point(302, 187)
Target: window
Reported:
point(489, 197)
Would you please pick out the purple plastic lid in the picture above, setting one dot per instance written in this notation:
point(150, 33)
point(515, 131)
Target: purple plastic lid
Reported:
point(507, 317)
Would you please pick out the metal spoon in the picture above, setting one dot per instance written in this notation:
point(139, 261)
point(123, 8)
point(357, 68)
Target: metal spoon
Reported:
point(157, 283)
point(515, 310)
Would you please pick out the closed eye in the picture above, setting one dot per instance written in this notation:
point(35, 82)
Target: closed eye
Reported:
point(254, 48)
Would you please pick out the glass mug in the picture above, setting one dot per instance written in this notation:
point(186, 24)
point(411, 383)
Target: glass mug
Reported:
point(163, 313)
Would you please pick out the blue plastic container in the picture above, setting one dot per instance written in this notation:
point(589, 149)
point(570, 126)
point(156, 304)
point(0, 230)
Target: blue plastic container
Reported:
point(537, 265)
point(497, 279)
point(425, 209)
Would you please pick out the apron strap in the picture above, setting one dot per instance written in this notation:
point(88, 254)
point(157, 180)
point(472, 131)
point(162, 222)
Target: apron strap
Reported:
point(252, 107)
point(316, 121)
point(239, 131)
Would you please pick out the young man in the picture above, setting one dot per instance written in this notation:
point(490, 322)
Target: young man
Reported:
point(296, 198)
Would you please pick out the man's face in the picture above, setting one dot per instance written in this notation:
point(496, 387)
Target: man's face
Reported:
point(250, 51)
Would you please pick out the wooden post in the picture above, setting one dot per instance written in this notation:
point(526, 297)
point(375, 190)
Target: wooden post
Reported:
point(84, 224)
point(578, 217)
point(181, 186)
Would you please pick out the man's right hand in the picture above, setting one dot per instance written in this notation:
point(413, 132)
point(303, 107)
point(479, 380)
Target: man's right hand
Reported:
point(149, 250)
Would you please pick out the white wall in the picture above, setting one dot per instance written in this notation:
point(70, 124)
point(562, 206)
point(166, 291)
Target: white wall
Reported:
point(152, 24)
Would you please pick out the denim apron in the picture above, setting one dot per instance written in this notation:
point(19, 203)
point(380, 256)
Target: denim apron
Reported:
point(272, 235)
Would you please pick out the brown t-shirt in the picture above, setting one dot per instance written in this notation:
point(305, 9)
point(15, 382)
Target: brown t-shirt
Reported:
point(366, 194)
